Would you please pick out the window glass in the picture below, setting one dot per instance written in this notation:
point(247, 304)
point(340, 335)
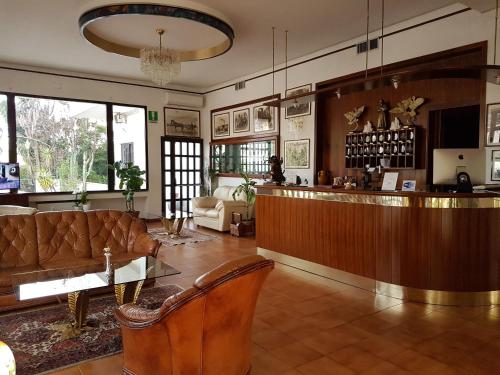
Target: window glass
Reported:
point(61, 145)
point(4, 131)
point(129, 127)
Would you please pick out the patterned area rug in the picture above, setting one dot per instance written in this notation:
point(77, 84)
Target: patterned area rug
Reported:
point(38, 347)
point(187, 236)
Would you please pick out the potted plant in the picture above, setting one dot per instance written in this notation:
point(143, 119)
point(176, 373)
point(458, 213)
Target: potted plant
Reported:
point(246, 226)
point(84, 200)
point(77, 206)
point(130, 181)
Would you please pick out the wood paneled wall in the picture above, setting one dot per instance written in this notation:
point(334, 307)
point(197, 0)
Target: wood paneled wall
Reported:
point(331, 126)
point(448, 249)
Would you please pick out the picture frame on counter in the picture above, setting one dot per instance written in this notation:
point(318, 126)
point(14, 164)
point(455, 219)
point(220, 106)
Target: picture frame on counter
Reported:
point(220, 124)
point(182, 122)
point(264, 119)
point(241, 120)
point(297, 154)
point(298, 109)
point(493, 124)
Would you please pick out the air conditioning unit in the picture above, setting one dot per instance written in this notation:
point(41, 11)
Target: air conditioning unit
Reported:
point(183, 100)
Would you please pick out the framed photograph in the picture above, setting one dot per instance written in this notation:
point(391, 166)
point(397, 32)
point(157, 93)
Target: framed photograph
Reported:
point(264, 119)
point(297, 154)
point(220, 124)
point(390, 180)
point(409, 185)
point(493, 122)
point(182, 122)
point(241, 120)
point(298, 109)
point(495, 165)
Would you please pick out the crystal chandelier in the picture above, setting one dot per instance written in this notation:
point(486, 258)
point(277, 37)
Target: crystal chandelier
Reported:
point(161, 65)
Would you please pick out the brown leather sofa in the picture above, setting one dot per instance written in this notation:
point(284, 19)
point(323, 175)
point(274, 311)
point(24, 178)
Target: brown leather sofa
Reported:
point(203, 330)
point(62, 239)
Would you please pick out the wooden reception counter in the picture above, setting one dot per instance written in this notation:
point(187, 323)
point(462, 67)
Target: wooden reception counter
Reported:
point(428, 247)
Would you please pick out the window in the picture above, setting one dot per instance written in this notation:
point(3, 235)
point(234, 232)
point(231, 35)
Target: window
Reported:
point(250, 157)
point(129, 124)
point(65, 145)
point(61, 145)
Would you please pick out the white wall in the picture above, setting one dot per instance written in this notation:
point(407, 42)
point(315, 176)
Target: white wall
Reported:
point(65, 87)
point(462, 29)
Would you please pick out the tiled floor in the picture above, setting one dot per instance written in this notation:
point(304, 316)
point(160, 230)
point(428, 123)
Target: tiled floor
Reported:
point(310, 325)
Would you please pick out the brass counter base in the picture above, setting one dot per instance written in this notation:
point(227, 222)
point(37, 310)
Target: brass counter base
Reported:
point(434, 297)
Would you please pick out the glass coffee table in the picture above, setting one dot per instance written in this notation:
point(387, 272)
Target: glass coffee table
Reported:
point(126, 276)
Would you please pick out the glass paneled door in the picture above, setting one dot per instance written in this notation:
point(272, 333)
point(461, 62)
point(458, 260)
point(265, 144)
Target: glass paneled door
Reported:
point(182, 164)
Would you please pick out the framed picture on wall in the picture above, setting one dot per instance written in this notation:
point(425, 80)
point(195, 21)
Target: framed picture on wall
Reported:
point(298, 109)
point(493, 124)
point(495, 165)
point(297, 154)
point(263, 119)
point(241, 120)
point(182, 122)
point(220, 124)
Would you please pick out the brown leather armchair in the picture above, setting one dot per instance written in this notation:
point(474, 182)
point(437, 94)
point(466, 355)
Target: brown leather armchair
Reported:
point(203, 330)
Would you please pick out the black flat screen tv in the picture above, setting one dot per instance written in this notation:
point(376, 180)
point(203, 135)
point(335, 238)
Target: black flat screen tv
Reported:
point(9, 176)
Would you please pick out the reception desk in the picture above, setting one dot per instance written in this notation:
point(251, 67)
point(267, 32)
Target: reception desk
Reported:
point(428, 247)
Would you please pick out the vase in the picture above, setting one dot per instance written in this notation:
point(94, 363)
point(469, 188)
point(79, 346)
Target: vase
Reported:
point(323, 177)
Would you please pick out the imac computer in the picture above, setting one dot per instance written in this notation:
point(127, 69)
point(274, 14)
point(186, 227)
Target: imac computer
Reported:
point(449, 162)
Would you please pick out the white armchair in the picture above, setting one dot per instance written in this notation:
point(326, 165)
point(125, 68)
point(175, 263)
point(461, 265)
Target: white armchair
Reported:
point(216, 212)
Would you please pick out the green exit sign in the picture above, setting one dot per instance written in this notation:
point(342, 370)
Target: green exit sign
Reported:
point(153, 116)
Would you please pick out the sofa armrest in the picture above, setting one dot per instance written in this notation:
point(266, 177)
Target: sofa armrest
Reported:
point(230, 204)
point(145, 245)
point(204, 202)
point(131, 313)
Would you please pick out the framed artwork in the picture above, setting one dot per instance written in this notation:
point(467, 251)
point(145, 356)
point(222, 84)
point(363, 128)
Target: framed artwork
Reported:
point(297, 154)
point(220, 124)
point(298, 109)
point(495, 165)
point(182, 122)
point(241, 120)
point(263, 119)
point(493, 124)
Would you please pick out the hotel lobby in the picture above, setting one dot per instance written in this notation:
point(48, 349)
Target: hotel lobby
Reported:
point(228, 187)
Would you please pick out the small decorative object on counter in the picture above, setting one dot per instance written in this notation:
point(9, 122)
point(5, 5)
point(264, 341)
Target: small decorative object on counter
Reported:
point(381, 109)
point(338, 181)
point(323, 177)
point(276, 172)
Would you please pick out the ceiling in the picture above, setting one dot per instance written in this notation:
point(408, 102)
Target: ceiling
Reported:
point(45, 34)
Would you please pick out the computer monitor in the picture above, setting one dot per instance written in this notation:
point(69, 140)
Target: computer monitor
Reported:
point(9, 176)
point(448, 162)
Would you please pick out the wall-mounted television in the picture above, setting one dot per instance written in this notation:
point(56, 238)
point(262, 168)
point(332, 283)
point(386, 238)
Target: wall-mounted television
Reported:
point(9, 176)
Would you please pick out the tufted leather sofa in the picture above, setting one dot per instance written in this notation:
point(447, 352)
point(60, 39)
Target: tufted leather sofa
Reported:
point(203, 330)
point(54, 240)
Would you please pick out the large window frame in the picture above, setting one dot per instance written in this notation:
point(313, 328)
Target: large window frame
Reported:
point(243, 141)
point(12, 125)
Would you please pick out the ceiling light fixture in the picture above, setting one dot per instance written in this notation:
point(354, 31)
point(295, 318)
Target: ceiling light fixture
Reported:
point(160, 65)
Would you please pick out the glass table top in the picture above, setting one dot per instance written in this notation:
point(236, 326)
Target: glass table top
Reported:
point(47, 283)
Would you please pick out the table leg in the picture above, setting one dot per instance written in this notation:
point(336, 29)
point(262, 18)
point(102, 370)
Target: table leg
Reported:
point(78, 303)
point(128, 293)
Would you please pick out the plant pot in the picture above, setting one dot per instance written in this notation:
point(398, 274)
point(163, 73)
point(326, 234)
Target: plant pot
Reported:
point(243, 228)
point(77, 208)
point(86, 207)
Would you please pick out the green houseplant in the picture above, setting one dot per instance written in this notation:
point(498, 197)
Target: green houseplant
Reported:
point(130, 182)
point(247, 187)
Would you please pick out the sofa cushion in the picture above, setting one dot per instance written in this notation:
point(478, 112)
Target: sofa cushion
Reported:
point(16, 210)
point(224, 193)
point(208, 212)
point(62, 235)
point(108, 228)
point(18, 242)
